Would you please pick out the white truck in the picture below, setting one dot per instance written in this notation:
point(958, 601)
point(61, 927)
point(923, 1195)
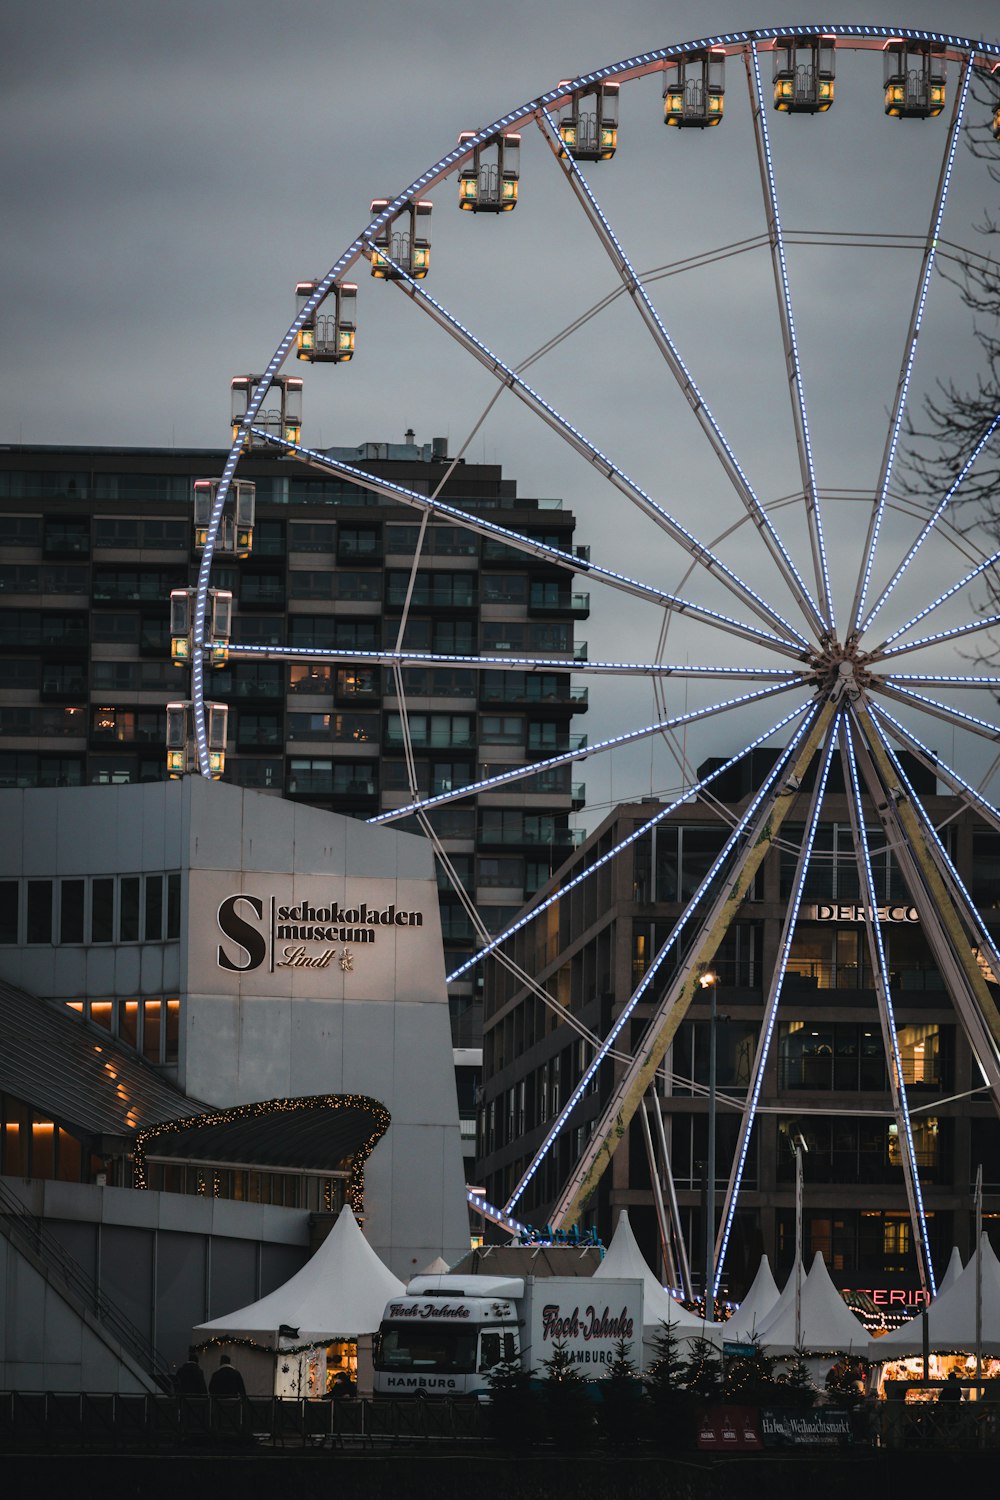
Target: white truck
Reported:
point(445, 1334)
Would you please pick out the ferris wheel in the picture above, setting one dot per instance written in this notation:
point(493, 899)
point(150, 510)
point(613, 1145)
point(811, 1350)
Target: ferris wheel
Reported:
point(733, 411)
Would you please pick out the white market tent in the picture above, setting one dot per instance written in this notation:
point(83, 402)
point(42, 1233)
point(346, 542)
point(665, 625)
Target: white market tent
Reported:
point(951, 1317)
point(953, 1272)
point(786, 1298)
point(339, 1294)
point(438, 1267)
point(624, 1259)
point(758, 1304)
point(827, 1324)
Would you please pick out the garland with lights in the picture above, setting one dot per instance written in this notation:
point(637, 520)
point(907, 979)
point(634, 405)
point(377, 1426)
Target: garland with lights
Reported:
point(225, 1340)
point(264, 1107)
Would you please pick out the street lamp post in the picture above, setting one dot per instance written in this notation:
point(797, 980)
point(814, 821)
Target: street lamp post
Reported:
point(709, 981)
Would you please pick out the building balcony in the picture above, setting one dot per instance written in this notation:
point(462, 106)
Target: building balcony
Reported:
point(542, 743)
point(535, 690)
point(542, 605)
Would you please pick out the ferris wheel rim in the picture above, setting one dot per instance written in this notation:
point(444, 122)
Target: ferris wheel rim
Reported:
point(959, 50)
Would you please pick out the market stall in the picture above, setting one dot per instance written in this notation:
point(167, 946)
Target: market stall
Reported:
point(311, 1336)
point(817, 1324)
point(963, 1327)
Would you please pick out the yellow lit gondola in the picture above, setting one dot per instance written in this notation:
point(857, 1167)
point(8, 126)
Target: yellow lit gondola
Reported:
point(588, 123)
point(279, 414)
point(234, 537)
point(914, 80)
point(402, 246)
point(804, 74)
point(327, 336)
point(488, 182)
point(694, 89)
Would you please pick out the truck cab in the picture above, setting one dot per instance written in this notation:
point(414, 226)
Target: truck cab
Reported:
point(445, 1335)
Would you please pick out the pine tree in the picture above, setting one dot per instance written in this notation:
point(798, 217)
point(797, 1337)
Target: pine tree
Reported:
point(703, 1375)
point(569, 1411)
point(514, 1414)
point(796, 1386)
point(671, 1407)
point(621, 1399)
point(666, 1370)
point(749, 1379)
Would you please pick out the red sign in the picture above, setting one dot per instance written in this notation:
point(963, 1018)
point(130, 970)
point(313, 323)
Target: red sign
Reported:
point(730, 1429)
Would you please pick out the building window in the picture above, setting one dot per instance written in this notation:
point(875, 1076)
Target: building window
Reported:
point(10, 893)
point(102, 911)
point(39, 928)
point(71, 912)
point(149, 1027)
point(309, 677)
point(128, 909)
point(985, 883)
point(444, 731)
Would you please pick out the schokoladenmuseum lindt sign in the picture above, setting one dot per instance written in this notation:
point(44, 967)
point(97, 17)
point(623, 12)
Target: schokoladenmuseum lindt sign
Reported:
point(261, 930)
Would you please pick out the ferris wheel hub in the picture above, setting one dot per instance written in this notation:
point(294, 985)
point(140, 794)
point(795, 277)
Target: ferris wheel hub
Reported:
point(841, 666)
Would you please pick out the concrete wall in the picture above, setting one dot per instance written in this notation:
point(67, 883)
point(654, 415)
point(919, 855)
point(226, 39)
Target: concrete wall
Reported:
point(168, 1262)
point(45, 1344)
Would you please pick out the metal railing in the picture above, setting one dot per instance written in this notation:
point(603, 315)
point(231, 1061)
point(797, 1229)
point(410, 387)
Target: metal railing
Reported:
point(28, 1233)
point(80, 1420)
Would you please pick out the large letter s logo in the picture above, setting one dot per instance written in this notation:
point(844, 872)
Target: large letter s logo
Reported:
point(242, 934)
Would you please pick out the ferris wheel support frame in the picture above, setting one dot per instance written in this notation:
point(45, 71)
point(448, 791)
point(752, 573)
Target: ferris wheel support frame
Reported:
point(749, 1111)
point(627, 1094)
point(883, 994)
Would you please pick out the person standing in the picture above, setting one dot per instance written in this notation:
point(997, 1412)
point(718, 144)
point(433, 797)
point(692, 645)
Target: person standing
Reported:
point(226, 1380)
point(190, 1378)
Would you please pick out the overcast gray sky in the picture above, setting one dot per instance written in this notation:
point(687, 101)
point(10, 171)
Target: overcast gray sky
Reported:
point(170, 171)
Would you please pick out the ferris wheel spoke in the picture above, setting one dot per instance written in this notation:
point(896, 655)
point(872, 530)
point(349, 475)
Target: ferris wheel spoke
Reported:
point(957, 632)
point(974, 1001)
point(928, 527)
point(570, 665)
point(738, 834)
point(910, 349)
point(942, 710)
point(568, 560)
point(768, 809)
point(969, 795)
point(883, 995)
point(944, 678)
point(533, 768)
point(635, 288)
point(749, 1110)
point(576, 440)
point(976, 572)
point(621, 846)
point(796, 388)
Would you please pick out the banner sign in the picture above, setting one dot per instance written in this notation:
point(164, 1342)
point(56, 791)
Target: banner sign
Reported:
point(822, 1426)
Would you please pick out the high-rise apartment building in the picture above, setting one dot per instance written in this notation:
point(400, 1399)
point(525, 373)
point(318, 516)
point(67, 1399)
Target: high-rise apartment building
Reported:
point(94, 540)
